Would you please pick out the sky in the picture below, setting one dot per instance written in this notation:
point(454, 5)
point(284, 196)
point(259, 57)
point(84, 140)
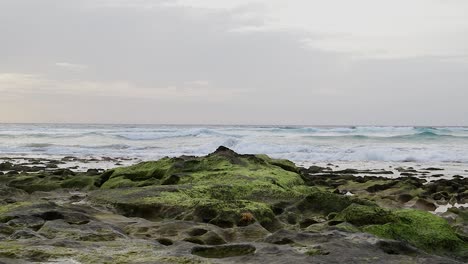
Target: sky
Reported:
point(277, 62)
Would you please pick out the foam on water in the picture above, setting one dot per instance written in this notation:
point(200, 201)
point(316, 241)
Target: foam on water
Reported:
point(300, 144)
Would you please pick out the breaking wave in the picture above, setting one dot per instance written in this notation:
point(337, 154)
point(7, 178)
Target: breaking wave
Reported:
point(360, 143)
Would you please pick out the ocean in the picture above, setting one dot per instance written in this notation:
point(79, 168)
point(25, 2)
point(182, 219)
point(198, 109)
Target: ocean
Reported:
point(296, 143)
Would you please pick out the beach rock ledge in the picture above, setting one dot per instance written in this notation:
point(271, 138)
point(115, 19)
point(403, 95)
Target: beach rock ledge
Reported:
point(225, 208)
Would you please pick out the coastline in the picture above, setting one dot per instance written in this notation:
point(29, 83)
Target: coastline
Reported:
point(301, 232)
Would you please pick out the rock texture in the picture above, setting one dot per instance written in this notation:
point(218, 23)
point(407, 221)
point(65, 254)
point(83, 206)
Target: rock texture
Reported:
point(227, 208)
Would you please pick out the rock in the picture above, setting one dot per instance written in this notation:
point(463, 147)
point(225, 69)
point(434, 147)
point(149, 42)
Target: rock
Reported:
point(92, 172)
point(405, 197)
point(69, 158)
point(6, 229)
point(421, 229)
point(5, 166)
point(24, 234)
point(32, 222)
point(381, 187)
point(433, 169)
point(281, 237)
point(197, 232)
point(92, 231)
point(361, 215)
point(440, 195)
point(212, 238)
point(327, 202)
point(396, 247)
point(165, 241)
point(245, 208)
point(63, 172)
point(224, 251)
point(221, 188)
point(424, 205)
point(51, 166)
point(315, 169)
point(409, 174)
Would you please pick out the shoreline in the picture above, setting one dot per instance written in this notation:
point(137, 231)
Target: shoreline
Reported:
point(387, 170)
point(227, 207)
point(430, 171)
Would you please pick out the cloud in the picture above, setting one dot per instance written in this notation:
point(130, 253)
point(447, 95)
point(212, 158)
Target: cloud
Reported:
point(20, 85)
point(248, 61)
point(362, 28)
point(71, 66)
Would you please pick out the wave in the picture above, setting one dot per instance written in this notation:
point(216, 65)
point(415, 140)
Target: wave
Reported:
point(39, 145)
point(149, 133)
point(298, 143)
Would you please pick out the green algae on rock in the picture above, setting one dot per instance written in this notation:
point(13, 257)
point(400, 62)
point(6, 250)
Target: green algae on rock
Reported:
point(421, 229)
point(418, 228)
point(217, 188)
point(224, 205)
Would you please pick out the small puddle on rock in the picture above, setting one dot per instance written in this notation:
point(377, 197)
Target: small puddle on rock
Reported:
point(224, 251)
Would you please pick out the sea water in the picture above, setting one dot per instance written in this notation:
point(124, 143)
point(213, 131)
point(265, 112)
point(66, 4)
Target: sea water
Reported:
point(301, 144)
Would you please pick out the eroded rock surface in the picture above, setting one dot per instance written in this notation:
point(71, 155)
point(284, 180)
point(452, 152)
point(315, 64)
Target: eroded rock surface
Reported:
point(227, 208)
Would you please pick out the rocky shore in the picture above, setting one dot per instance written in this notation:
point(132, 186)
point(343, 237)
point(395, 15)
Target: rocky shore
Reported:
point(229, 208)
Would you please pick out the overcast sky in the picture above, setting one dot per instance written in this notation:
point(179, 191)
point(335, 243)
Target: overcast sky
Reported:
point(314, 62)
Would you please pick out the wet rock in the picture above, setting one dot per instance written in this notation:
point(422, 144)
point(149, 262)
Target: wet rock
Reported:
point(51, 166)
point(315, 169)
point(433, 169)
point(69, 158)
point(381, 187)
point(409, 174)
point(63, 172)
point(5, 166)
point(440, 195)
point(92, 172)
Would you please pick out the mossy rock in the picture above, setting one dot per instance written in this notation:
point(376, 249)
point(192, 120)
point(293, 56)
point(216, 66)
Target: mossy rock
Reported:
point(78, 182)
point(8, 209)
point(33, 183)
point(361, 215)
point(49, 182)
point(420, 229)
point(218, 188)
point(326, 202)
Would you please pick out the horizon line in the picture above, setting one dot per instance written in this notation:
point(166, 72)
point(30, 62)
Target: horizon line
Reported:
point(206, 124)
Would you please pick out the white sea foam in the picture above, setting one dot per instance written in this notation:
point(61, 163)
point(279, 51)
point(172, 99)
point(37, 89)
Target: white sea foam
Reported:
point(300, 144)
